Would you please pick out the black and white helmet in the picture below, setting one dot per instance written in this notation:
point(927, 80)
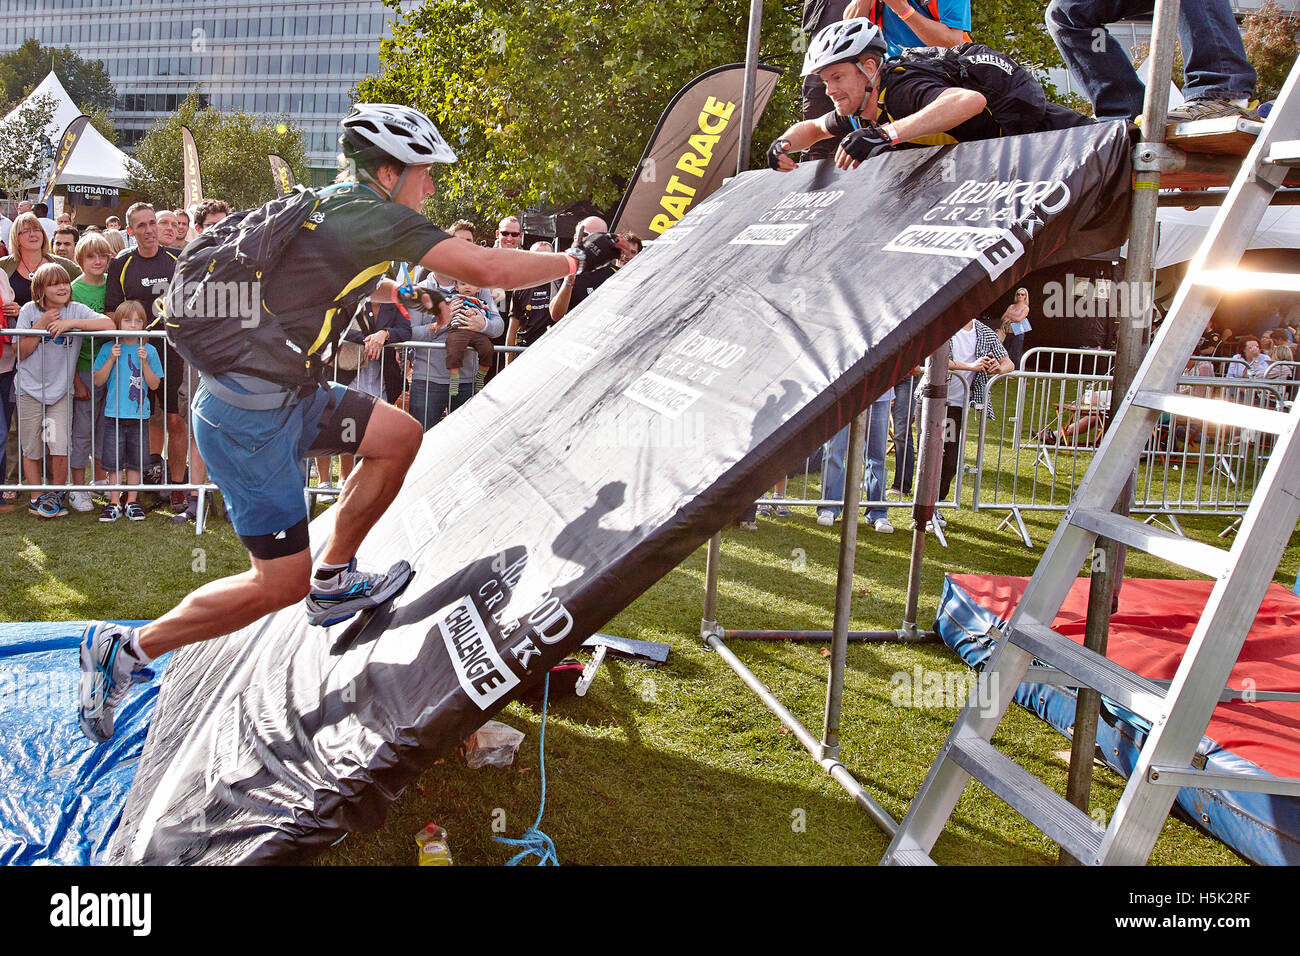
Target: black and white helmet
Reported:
point(373, 132)
point(843, 42)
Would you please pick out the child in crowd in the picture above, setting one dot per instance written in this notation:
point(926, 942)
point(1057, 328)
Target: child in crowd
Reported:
point(130, 367)
point(92, 255)
point(46, 371)
point(459, 339)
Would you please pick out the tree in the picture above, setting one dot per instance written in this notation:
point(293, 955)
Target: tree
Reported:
point(232, 155)
point(25, 149)
point(86, 81)
point(550, 101)
point(1272, 40)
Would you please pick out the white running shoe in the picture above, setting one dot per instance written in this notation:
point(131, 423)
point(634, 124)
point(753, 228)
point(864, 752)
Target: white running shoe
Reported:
point(883, 526)
point(354, 591)
point(108, 669)
point(80, 501)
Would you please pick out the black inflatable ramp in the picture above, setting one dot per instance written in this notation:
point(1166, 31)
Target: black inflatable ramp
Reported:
point(593, 465)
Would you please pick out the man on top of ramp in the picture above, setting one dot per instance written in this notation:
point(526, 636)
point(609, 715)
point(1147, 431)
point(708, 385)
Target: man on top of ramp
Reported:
point(254, 426)
point(935, 95)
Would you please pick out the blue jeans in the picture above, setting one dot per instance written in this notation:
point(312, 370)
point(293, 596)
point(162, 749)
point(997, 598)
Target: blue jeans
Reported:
point(877, 440)
point(429, 400)
point(1214, 55)
point(904, 445)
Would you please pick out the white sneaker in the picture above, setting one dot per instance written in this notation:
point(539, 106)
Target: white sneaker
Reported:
point(80, 501)
point(825, 519)
point(883, 526)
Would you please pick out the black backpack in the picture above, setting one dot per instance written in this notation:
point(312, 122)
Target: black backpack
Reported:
point(216, 314)
point(1016, 100)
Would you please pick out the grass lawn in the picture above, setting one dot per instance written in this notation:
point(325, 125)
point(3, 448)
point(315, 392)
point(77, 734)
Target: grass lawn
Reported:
point(680, 764)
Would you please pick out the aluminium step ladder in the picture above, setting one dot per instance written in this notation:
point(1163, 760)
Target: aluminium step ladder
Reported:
point(1180, 712)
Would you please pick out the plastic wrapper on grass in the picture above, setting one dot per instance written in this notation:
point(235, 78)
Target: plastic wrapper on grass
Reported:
point(492, 745)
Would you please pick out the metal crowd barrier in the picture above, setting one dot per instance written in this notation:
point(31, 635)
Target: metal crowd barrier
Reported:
point(1051, 422)
point(87, 428)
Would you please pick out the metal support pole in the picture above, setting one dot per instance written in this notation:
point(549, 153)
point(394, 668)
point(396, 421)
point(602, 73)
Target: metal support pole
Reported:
point(709, 624)
point(1134, 333)
point(929, 462)
point(844, 586)
point(751, 81)
point(832, 766)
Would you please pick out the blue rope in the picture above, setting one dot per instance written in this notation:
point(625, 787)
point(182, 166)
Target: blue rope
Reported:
point(534, 841)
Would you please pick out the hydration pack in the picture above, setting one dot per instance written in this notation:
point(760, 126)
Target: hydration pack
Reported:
point(1016, 100)
point(215, 308)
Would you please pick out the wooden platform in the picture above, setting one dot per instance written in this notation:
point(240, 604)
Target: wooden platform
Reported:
point(1228, 136)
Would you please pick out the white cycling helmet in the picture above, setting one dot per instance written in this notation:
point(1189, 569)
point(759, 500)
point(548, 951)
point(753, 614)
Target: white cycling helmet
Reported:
point(374, 132)
point(844, 42)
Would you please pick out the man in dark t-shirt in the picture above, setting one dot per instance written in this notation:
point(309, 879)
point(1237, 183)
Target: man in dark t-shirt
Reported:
point(255, 430)
point(529, 309)
point(880, 103)
point(142, 274)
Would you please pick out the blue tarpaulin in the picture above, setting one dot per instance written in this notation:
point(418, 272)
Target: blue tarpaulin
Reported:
point(60, 795)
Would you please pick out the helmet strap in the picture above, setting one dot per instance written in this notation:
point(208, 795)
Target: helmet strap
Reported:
point(401, 178)
point(871, 85)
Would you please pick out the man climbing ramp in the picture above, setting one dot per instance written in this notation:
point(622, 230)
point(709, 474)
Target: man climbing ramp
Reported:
point(264, 404)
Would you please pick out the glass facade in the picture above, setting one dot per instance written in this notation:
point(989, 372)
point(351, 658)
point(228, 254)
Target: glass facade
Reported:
point(297, 57)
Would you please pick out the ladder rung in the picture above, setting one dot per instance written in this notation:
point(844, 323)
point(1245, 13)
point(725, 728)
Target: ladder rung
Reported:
point(1038, 803)
point(1217, 410)
point(1231, 280)
point(1090, 669)
point(1286, 153)
point(1238, 782)
point(1203, 558)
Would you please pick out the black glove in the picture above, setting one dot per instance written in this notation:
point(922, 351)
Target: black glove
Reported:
point(776, 151)
point(862, 144)
point(596, 250)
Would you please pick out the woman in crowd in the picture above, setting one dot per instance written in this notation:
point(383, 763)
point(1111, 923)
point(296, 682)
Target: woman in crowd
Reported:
point(1015, 323)
point(29, 249)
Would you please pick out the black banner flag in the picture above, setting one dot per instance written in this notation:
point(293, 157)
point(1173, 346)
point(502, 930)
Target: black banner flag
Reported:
point(692, 150)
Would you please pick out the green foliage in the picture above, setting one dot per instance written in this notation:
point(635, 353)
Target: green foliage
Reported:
point(100, 119)
point(551, 101)
point(232, 155)
point(86, 81)
point(1272, 41)
point(24, 146)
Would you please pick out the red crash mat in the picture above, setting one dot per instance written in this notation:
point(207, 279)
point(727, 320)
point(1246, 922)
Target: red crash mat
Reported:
point(1150, 634)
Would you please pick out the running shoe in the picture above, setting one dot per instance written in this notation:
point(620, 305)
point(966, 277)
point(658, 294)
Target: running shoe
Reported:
point(1210, 107)
point(80, 501)
point(354, 591)
point(50, 505)
point(108, 669)
point(779, 508)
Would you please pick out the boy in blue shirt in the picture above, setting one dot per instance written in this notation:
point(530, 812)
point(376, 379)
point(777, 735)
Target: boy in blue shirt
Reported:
point(130, 367)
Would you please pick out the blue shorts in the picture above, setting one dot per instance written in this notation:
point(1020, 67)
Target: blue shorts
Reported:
point(256, 458)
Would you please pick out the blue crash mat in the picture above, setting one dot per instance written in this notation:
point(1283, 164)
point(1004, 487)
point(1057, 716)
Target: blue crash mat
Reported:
point(60, 795)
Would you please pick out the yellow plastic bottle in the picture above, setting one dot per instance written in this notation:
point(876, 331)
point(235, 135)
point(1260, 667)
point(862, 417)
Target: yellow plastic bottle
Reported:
point(431, 846)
